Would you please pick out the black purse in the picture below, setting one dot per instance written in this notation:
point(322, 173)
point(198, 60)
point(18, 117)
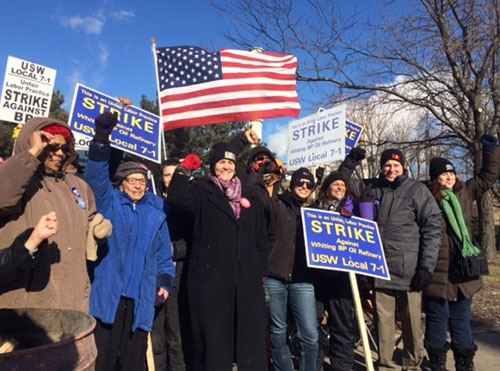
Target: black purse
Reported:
point(469, 268)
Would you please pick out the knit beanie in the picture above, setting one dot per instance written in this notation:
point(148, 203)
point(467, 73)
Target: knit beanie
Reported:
point(300, 174)
point(221, 151)
point(332, 177)
point(392, 154)
point(58, 129)
point(130, 167)
point(438, 166)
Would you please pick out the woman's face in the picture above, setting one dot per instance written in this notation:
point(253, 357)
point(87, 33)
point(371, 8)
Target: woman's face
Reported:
point(337, 190)
point(55, 153)
point(224, 170)
point(303, 189)
point(447, 180)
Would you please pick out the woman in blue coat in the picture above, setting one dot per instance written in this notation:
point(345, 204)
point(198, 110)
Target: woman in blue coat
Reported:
point(135, 269)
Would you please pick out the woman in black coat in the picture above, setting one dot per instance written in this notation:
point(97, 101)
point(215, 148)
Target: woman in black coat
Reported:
point(227, 264)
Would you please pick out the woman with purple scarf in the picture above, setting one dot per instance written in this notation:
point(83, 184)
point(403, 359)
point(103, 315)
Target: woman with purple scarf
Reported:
point(226, 265)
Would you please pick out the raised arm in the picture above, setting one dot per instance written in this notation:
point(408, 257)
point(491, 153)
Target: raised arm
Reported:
point(490, 169)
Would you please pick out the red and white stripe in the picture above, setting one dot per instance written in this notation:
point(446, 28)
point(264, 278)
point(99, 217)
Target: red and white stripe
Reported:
point(254, 86)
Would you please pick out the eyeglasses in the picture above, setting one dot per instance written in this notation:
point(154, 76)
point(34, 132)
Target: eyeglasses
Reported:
point(135, 181)
point(55, 148)
point(308, 183)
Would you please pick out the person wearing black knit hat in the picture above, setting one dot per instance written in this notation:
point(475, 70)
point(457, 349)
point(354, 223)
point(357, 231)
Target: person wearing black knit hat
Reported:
point(289, 283)
point(448, 298)
point(409, 220)
point(438, 166)
point(227, 262)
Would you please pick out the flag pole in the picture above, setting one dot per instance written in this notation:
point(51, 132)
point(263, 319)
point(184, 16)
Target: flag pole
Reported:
point(162, 134)
point(256, 125)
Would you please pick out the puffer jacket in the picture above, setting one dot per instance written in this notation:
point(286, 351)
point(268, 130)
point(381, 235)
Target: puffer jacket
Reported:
point(409, 222)
point(60, 279)
point(445, 284)
point(139, 229)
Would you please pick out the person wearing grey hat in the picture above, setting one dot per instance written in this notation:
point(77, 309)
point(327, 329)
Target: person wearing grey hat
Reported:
point(135, 271)
point(448, 298)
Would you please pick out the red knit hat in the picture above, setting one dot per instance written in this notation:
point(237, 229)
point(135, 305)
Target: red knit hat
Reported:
point(58, 129)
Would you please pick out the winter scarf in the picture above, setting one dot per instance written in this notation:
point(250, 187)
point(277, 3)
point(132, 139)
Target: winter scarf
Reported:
point(453, 212)
point(232, 190)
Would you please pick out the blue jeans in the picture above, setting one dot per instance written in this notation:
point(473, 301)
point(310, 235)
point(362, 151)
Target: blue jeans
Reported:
point(299, 297)
point(442, 314)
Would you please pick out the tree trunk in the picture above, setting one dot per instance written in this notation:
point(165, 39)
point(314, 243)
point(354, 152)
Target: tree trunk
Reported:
point(487, 226)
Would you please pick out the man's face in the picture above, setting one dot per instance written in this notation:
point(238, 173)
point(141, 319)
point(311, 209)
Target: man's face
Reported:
point(55, 153)
point(392, 169)
point(168, 171)
point(224, 170)
point(447, 180)
point(303, 189)
point(134, 185)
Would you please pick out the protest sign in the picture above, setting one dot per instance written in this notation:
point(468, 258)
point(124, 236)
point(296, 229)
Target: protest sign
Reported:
point(338, 243)
point(27, 90)
point(137, 131)
point(352, 134)
point(317, 139)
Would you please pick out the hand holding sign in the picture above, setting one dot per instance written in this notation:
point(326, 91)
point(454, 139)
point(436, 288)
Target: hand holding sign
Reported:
point(252, 136)
point(104, 125)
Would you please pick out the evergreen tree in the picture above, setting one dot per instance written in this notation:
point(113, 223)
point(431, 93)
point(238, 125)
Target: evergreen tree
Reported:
point(198, 139)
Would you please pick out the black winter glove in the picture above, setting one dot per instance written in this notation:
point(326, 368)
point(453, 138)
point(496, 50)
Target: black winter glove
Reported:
point(489, 140)
point(320, 173)
point(357, 154)
point(420, 280)
point(104, 125)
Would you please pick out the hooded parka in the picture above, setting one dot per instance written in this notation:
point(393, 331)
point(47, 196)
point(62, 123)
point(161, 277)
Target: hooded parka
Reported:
point(444, 284)
point(27, 192)
point(224, 280)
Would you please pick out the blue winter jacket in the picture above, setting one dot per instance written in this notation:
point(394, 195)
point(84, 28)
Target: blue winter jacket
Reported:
point(139, 228)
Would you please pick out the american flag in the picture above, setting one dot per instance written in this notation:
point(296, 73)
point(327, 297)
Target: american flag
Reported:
point(198, 87)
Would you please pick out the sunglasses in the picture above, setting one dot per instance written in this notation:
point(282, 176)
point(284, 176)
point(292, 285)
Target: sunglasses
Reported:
point(261, 158)
point(301, 182)
point(55, 148)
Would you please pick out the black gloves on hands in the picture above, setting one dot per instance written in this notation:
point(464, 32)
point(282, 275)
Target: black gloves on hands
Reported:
point(104, 125)
point(420, 280)
point(489, 140)
point(357, 154)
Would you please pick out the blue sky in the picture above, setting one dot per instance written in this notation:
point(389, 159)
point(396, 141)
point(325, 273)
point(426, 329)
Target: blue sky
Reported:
point(106, 44)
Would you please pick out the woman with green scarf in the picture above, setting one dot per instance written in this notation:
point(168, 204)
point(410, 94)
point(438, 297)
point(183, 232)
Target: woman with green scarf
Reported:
point(448, 299)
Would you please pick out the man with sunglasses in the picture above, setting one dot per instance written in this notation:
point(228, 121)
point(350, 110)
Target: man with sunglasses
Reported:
point(135, 271)
point(289, 282)
point(34, 183)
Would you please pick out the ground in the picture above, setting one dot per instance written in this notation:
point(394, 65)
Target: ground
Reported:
point(486, 304)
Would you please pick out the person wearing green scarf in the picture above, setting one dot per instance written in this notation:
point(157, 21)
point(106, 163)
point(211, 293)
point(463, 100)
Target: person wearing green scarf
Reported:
point(448, 299)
